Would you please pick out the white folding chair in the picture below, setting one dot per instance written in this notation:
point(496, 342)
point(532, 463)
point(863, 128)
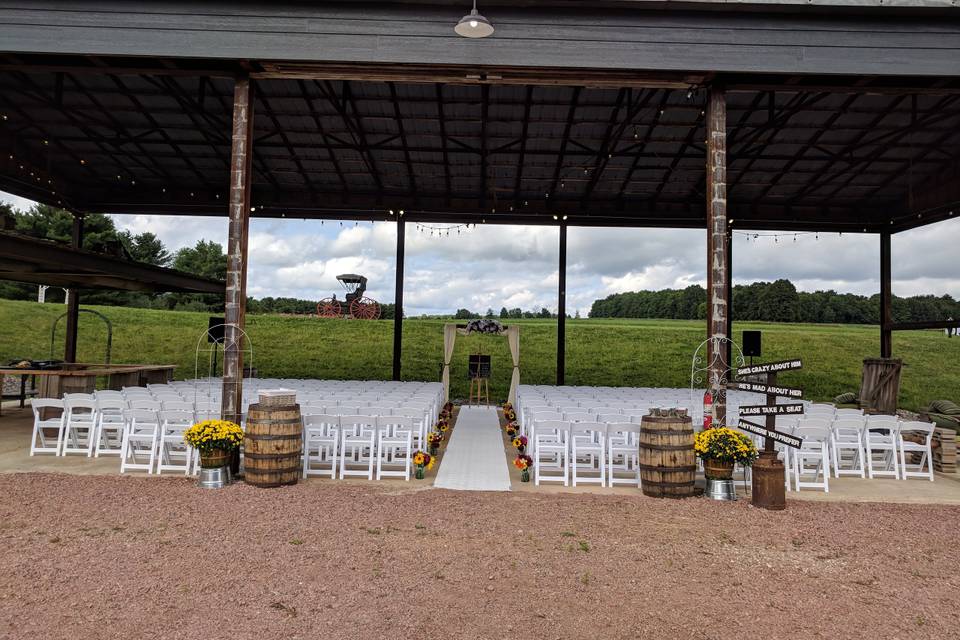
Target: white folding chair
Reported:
point(846, 436)
point(173, 453)
point(79, 424)
point(321, 436)
point(815, 447)
point(357, 445)
point(925, 429)
point(419, 425)
point(108, 434)
point(139, 440)
point(43, 421)
point(551, 440)
point(588, 442)
point(623, 452)
point(394, 446)
point(880, 436)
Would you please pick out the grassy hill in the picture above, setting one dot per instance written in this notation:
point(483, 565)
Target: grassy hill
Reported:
point(599, 352)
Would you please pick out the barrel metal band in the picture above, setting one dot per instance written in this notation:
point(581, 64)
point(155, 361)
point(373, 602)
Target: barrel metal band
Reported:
point(298, 469)
point(666, 447)
point(272, 456)
point(269, 421)
point(650, 467)
point(651, 483)
point(292, 436)
point(667, 432)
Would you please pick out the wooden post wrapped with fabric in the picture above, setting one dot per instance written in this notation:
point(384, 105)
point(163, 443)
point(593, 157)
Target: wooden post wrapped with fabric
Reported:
point(273, 445)
point(235, 306)
point(717, 255)
point(668, 463)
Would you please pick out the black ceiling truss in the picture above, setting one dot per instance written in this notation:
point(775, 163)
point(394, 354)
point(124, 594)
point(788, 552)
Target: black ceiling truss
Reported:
point(802, 154)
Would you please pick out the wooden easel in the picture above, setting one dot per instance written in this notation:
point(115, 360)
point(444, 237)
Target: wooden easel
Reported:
point(480, 387)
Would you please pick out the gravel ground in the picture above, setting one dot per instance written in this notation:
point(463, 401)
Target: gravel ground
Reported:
point(128, 557)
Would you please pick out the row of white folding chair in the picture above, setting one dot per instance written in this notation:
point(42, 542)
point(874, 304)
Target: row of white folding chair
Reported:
point(586, 452)
point(157, 435)
point(358, 445)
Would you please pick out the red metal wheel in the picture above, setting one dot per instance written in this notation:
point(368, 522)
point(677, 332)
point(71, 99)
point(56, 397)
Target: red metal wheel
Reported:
point(329, 308)
point(365, 309)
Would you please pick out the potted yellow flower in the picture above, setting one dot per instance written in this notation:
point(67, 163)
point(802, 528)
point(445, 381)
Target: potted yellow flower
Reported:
point(215, 440)
point(721, 448)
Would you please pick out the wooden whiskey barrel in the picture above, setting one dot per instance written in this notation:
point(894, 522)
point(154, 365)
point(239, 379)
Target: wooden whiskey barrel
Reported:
point(668, 463)
point(273, 445)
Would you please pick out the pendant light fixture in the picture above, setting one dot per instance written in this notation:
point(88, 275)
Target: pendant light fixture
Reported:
point(474, 25)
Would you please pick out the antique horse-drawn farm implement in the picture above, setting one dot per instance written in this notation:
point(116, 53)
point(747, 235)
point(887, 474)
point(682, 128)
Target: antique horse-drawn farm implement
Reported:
point(356, 305)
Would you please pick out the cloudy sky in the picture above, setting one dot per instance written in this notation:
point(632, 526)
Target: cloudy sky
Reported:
point(495, 266)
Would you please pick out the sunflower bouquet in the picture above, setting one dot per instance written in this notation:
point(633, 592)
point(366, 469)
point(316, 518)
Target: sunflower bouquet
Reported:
point(512, 430)
point(508, 412)
point(726, 446)
point(523, 462)
point(442, 426)
point(422, 461)
point(434, 438)
point(520, 442)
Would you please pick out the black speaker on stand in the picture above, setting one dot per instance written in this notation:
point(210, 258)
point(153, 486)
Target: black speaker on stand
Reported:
point(215, 334)
point(751, 344)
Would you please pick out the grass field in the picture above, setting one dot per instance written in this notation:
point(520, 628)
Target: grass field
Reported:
point(599, 352)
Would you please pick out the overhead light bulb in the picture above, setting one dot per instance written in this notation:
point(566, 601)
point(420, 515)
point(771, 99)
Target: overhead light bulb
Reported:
point(474, 25)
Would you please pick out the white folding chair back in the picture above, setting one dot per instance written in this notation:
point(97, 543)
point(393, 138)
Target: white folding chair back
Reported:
point(48, 416)
point(394, 446)
point(846, 443)
point(588, 446)
point(551, 451)
point(321, 440)
point(623, 452)
point(815, 448)
point(922, 449)
point(880, 437)
point(80, 423)
point(140, 438)
point(357, 445)
point(108, 436)
point(173, 453)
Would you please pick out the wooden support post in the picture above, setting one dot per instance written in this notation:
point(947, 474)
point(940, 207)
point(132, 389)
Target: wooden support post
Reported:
point(241, 155)
point(398, 301)
point(562, 308)
point(886, 298)
point(729, 279)
point(73, 299)
point(717, 292)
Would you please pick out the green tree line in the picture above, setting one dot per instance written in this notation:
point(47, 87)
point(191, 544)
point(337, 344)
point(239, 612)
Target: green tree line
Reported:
point(777, 301)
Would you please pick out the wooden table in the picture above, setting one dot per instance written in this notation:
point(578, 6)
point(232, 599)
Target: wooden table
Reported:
point(82, 378)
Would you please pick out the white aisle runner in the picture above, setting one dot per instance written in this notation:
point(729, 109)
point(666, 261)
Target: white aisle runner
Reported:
point(474, 459)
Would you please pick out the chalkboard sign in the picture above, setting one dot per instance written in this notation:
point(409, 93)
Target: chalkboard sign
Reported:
point(479, 367)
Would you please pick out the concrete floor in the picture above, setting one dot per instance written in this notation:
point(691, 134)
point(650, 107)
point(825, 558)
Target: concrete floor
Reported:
point(16, 425)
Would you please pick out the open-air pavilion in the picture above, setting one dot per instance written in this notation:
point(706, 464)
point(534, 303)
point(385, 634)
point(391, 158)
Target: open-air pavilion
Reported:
point(826, 116)
point(800, 115)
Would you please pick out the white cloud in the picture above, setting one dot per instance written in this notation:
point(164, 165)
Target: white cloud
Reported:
point(491, 266)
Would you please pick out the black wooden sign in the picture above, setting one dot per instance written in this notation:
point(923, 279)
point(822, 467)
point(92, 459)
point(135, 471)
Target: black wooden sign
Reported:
point(772, 410)
point(478, 366)
point(756, 387)
point(778, 436)
point(770, 367)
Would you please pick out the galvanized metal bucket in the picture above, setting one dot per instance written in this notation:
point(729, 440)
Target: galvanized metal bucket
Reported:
point(720, 489)
point(214, 478)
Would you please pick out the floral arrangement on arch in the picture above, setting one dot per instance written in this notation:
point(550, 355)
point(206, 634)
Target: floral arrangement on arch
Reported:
point(484, 326)
point(723, 444)
point(209, 435)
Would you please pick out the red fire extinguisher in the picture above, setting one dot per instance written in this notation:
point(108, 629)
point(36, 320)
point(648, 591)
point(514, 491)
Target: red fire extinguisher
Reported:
point(707, 409)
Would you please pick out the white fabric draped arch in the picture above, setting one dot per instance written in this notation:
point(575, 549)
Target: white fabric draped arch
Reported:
point(512, 332)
